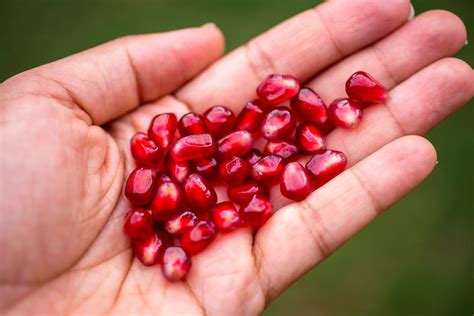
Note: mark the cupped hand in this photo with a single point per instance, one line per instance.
(65, 130)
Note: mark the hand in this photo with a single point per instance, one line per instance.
(65, 155)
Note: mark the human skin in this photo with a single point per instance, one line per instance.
(65, 130)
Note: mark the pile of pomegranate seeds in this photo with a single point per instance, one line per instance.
(176, 212)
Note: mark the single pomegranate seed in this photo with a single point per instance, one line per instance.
(162, 177)
(345, 113)
(167, 200)
(236, 143)
(226, 217)
(179, 170)
(199, 194)
(267, 168)
(308, 106)
(198, 238)
(140, 186)
(250, 118)
(150, 249)
(242, 194)
(253, 156)
(325, 166)
(294, 183)
(256, 212)
(278, 124)
(365, 89)
(181, 223)
(309, 138)
(162, 130)
(138, 223)
(277, 89)
(235, 170)
(219, 120)
(191, 124)
(144, 150)
(175, 264)
(285, 149)
(193, 147)
(207, 167)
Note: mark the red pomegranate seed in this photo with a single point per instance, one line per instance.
(309, 138)
(236, 143)
(277, 89)
(250, 118)
(140, 186)
(256, 212)
(278, 124)
(144, 150)
(181, 223)
(325, 166)
(150, 249)
(207, 167)
(162, 130)
(235, 170)
(294, 183)
(193, 147)
(253, 156)
(308, 106)
(138, 223)
(179, 170)
(175, 264)
(285, 149)
(242, 194)
(167, 200)
(345, 113)
(364, 88)
(219, 120)
(199, 194)
(198, 238)
(225, 216)
(191, 124)
(267, 168)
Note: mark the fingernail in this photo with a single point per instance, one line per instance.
(412, 12)
(209, 25)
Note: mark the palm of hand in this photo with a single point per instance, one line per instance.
(63, 206)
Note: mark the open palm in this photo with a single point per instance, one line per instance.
(65, 130)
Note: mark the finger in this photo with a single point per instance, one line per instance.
(302, 46)
(112, 79)
(302, 234)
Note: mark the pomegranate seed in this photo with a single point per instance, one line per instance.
(138, 223)
(308, 106)
(234, 171)
(242, 194)
(365, 89)
(253, 156)
(193, 147)
(162, 177)
(140, 186)
(207, 167)
(236, 143)
(181, 223)
(167, 200)
(285, 149)
(267, 168)
(198, 238)
(326, 127)
(309, 138)
(256, 212)
(162, 130)
(345, 113)
(150, 249)
(325, 166)
(199, 194)
(294, 182)
(278, 124)
(226, 217)
(175, 264)
(219, 120)
(250, 118)
(179, 170)
(191, 124)
(277, 89)
(144, 150)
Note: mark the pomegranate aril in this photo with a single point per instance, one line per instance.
(150, 249)
(191, 124)
(309, 138)
(225, 216)
(207, 167)
(179, 224)
(285, 149)
(363, 88)
(253, 156)
(278, 124)
(235, 170)
(179, 170)
(236, 143)
(140, 186)
(276, 89)
(193, 147)
(198, 238)
(167, 200)
(144, 150)
(294, 183)
(250, 118)
(325, 166)
(256, 212)
(162, 130)
(200, 195)
(175, 264)
(268, 168)
(345, 113)
(243, 193)
(219, 120)
(308, 106)
(326, 127)
(138, 223)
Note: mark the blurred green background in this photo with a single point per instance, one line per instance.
(416, 259)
